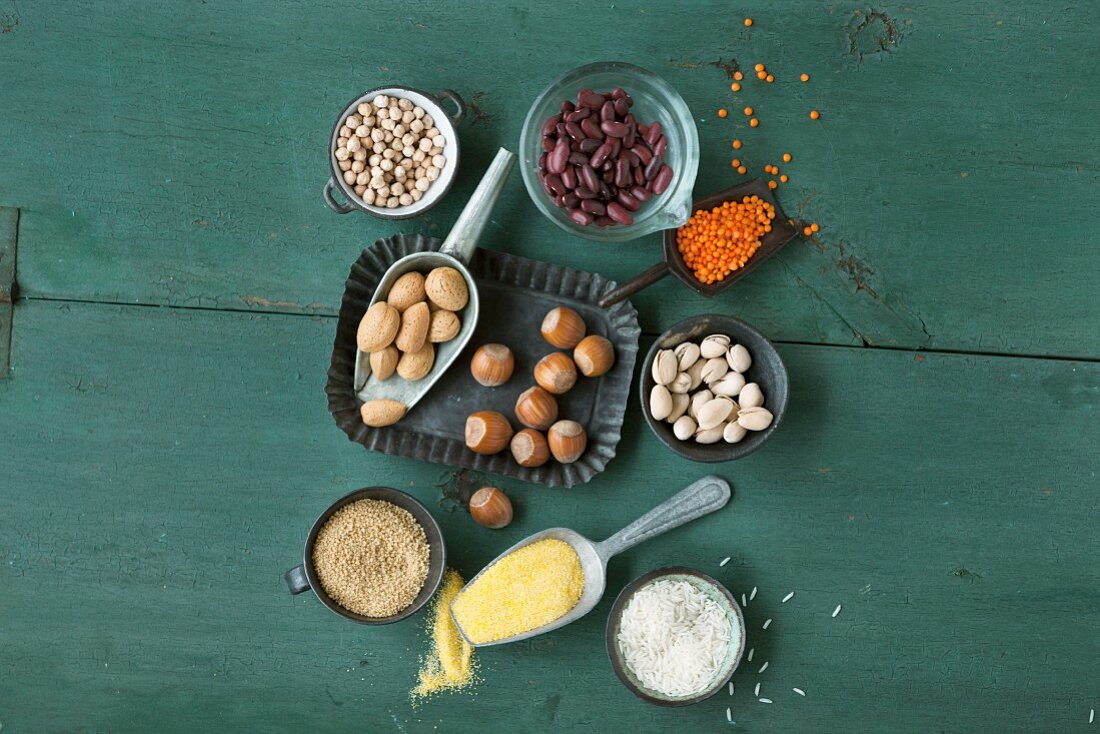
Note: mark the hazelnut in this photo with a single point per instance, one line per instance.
(529, 448)
(556, 373)
(487, 432)
(567, 441)
(536, 408)
(563, 327)
(594, 356)
(491, 508)
(492, 365)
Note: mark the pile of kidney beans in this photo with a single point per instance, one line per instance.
(598, 162)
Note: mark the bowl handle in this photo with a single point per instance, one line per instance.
(332, 203)
(460, 106)
(296, 580)
(635, 284)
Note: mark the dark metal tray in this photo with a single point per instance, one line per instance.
(515, 295)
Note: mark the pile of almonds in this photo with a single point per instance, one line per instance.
(727, 408)
(489, 432)
(400, 333)
(389, 151)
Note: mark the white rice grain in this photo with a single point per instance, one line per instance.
(763, 667)
(743, 602)
(731, 688)
(1092, 715)
(725, 561)
(769, 621)
(799, 691)
(751, 651)
(753, 594)
(729, 715)
(837, 610)
(787, 598)
(765, 700)
(756, 691)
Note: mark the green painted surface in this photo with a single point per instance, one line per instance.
(157, 490)
(168, 154)
(161, 466)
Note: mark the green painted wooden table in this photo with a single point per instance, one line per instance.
(168, 284)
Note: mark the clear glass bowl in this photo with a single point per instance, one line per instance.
(654, 99)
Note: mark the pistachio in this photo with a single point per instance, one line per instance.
(714, 370)
(730, 385)
(664, 367)
(681, 384)
(751, 396)
(684, 427)
(754, 419)
(733, 432)
(711, 435)
(714, 412)
(739, 358)
(698, 400)
(714, 345)
(660, 402)
(680, 402)
(696, 373)
(687, 354)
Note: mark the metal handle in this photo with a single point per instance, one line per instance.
(332, 203)
(462, 240)
(635, 284)
(701, 498)
(296, 580)
(460, 106)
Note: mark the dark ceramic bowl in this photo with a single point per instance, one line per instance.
(767, 370)
(304, 577)
(713, 589)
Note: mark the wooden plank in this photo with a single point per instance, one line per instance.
(156, 490)
(187, 166)
(9, 229)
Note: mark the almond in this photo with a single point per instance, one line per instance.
(446, 288)
(414, 328)
(384, 362)
(406, 291)
(378, 413)
(416, 365)
(444, 326)
(378, 327)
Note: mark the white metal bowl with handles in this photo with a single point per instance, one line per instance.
(698, 499)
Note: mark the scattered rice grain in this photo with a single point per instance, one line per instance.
(753, 594)
(751, 651)
(763, 667)
(787, 598)
(799, 691)
(729, 714)
(769, 621)
(743, 602)
(756, 691)
(725, 561)
(1092, 715)
(765, 700)
(837, 610)
(731, 688)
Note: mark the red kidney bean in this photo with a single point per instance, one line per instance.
(553, 180)
(555, 162)
(616, 146)
(608, 176)
(574, 131)
(622, 173)
(639, 176)
(641, 193)
(652, 134)
(664, 178)
(591, 128)
(576, 158)
(627, 200)
(593, 207)
(589, 145)
(569, 178)
(588, 98)
(569, 200)
(642, 153)
(653, 167)
(642, 130)
(617, 212)
(607, 111)
(618, 93)
(660, 147)
(546, 187)
(630, 138)
(548, 144)
(602, 153)
(578, 115)
(621, 107)
(629, 157)
(581, 217)
(585, 193)
(549, 126)
(589, 178)
(567, 107)
(542, 164)
(613, 129)
(605, 192)
(604, 221)
(559, 129)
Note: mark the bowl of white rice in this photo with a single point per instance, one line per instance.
(675, 636)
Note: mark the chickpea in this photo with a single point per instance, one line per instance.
(342, 153)
(416, 194)
(365, 109)
(399, 172)
(408, 150)
(425, 144)
(438, 161)
(418, 112)
(407, 117)
(404, 199)
(427, 120)
(397, 188)
(404, 104)
(358, 166)
(392, 202)
(377, 134)
(418, 156)
(368, 197)
(380, 101)
(341, 142)
(379, 148)
(354, 121)
(354, 144)
(382, 191)
(344, 165)
(359, 155)
(432, 173)
(416, 126)
(374, 160)
(387, 154)
(422, 184)
(362, 131)
(360, 190)
(386, 124)
(349, 177)
(344, 132)
(362, 179)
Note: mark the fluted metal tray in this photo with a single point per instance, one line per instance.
(515, 295)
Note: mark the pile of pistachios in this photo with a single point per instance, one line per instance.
(701, 389)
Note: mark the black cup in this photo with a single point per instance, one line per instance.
(304, 577)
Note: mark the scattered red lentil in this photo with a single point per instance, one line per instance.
(814, 114)
(742, 170)
(737, 145)
(748, 112)
(738, 75)
(814, 227)
(772, 184)
(769, 79)
(807, 231)
(735, 87)
(759, 67)
(748, 22)
(722, 112)
(784, 178)
(805, 77)
(761, 75)
(754, 122)
(715, 243)
(786, 157)
(736, 162)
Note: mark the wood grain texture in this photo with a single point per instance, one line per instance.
(175, 154)
(9, 231)
(154, 491)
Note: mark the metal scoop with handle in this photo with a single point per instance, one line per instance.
(701, 498)
(455, 252)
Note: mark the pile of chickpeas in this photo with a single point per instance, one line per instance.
(389, 151)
